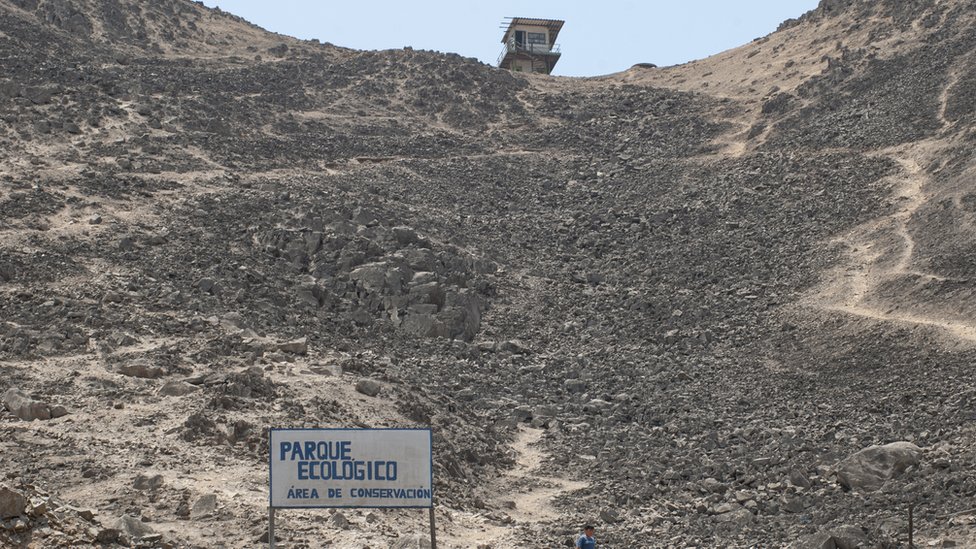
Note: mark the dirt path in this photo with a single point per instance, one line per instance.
(522, 499)
(884, 249)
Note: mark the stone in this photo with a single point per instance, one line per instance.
(134, 528)
(575, 385)
(208, 286)
(23, 406)
(723, 508)
(411, 542)
(339, 520)
(610, 516)
(9, 89)
(869, 469)
(371, 276)
(714, 486)
(141, 368)
(842, 537)
(12, 503)
(204, 507)
(177, 388)
(742, 496)
(739, 516)
(95, 220)
(86, 514)
(405, 235)
(368, 387)
(38, 507)
(797, 478)
(38, 95)
(513, 346)
(792, 504)
(296, 346)
(146, 482)
(112, 296)
(108, 535)
(420, 325)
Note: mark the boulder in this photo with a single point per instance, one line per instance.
(141, 368)
(204, 507)
(420, 325)
(869, 469)
(339, 520)
(405, 235)
(146, 482)
(368, 387)
(610, 516)
(134, 528)
(108, 535)
(371, 277)
(12, 503)
(739, 516)
(296, 346)
(23, 406)
(513, 346)
(177, 388)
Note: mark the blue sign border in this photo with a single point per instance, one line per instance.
(430, 439)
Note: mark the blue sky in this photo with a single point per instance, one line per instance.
(598, 38)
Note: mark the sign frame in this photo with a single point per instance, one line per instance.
(272, 508)
(430, 439)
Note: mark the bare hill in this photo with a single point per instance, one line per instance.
(672, 301)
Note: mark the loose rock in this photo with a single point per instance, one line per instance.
(871, 467)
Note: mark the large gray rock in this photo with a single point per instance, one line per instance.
(23, 406)
(371, 276)
(146, 482)
(12, 503)
(141, 368)
(134, 528)
(869, 469)
(204, 507)
(339, 520)
(368, 387)
(296, 346)
(177, 388)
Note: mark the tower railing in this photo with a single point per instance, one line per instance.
(511, 46)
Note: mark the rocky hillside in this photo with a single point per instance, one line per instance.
(723, 304)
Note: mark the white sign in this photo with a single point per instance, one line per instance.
(351, 468)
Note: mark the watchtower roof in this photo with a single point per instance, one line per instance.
(554, 26)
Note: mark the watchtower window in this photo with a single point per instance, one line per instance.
(520, 38)
(536, 37)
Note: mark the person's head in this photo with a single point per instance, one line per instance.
(588, 530)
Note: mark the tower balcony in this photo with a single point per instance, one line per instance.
(513, 48)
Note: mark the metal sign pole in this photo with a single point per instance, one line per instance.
(911, 526)
(271, 534)
(433, 528)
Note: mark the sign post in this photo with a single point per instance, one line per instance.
(350, 468)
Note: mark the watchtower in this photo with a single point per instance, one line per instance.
(530, 44)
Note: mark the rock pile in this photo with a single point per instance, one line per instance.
(367, 271)
(207, 230)
(26, 408)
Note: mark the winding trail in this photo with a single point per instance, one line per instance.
(884, 249)
(522, 498)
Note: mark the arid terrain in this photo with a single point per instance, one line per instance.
(730, 303)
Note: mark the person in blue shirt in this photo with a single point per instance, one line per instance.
(586, 539)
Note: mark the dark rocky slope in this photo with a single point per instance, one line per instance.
(186, 198)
